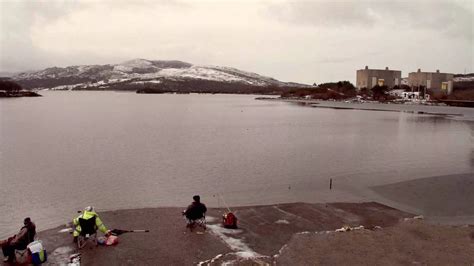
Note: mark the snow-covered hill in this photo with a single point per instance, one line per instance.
(141, 71)
(464, 77)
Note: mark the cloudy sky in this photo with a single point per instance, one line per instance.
(301, 41)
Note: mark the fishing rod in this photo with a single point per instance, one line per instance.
(223, 200)
(122, 231)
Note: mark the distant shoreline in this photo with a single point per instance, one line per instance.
(378, 106)
(19, 94)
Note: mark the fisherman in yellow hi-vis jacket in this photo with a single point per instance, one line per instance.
(88, 213)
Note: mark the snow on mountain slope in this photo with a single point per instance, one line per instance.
(464, 78)
(140, 70)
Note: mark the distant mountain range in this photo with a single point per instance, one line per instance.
(162, 76)
(152, 75)
(464, 77)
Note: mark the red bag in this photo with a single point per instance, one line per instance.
(111, 240)
(229, 220)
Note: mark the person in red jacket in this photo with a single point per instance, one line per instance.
(19, 241)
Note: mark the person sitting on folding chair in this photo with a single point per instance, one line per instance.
(91, 221)
(196, 213)
(19, 241)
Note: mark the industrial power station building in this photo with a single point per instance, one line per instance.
(434, 81)
(369, 78)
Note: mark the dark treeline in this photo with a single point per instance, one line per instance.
(324, 91)
(194, 86)
(9, 88)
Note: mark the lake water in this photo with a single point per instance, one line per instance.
(67, 150)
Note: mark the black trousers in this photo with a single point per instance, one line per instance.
(9, 249)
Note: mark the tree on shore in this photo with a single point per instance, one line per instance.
(365, 92)
(10, 87)
(325, 91)
(379, 92)
(344, 87)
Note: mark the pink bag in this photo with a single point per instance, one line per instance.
(111, 240)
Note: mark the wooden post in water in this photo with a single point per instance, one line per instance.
(330, 183)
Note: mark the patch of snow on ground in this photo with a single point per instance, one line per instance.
(152, 81)
(285, 212)
(463, 79)
(60, 255)
(247, 254)
(64, 87)
(280, 251)
(282, 222)
(210, 219)
(65, 230)
(303, 233)
(228, 231)
(82, 69)
(170, 72)
(139, 63)
(62, 251)
(123, 68)
(198, 72)
(256, 78)
(207, 262)
(128, 66)
(235, 244)
(144, 76)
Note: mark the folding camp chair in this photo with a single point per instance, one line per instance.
(88, 232)
(192, 222)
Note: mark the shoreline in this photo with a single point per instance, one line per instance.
(443, 197)
(464, 113)
(266, 235)
(407, 196)
(299, 226)
(19, 94)
(169, 242)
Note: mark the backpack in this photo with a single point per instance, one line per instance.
(229, 220)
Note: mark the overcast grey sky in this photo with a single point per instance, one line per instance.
(301, 41)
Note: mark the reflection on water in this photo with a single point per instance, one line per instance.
(432, 119)
(68, 150)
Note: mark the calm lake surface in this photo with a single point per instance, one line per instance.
(66, 150)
